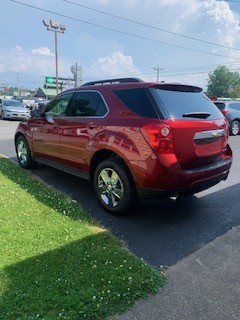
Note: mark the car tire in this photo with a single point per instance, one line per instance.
(2, 115)
(235, 128)
(24, 156)
(114, 187)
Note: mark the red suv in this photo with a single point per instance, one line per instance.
(132, 139)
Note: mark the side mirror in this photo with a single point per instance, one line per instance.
(35, 113)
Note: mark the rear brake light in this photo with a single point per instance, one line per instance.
(225, 112)
(159, 136)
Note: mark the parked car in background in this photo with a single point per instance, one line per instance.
(231, 110)
(19, 98)
(38, 102)
(131, 139)
(13, 109)
(42, 103)
(26, 101)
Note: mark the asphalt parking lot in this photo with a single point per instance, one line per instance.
(160, 232)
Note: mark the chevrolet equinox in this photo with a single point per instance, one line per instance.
(131, 139)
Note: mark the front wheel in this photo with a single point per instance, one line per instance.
(235, 128)
(24, 154)
(114, 186)
(2, 115)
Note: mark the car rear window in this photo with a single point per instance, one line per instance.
(184, 103)
(220, 105)
(138, 100)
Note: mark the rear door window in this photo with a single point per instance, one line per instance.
(138, 100)
(187, 104)
(88, 104)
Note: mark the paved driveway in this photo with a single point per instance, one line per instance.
(161, 232)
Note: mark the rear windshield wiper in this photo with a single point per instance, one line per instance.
(201, 115)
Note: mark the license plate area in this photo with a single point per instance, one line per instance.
(209, 142)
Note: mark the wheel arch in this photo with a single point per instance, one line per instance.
(102, 155)
(27, 137)
(18, 134)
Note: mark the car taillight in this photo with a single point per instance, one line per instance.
(225, 112)
(159, 136)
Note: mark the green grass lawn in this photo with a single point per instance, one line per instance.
(56, 262)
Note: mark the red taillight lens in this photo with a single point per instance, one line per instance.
(225, 112)
(159, 136)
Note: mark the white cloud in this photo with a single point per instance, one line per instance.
(212, 19)
(116, 65)
(17, 50)
(30, 66)
(43, 51)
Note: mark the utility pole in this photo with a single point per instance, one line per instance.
(54, 26)
(18, 84)
(77, 74)
(158, 71)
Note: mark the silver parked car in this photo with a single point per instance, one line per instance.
(231, 110)
(13, 109)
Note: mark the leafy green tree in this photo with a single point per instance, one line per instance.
(223, 83)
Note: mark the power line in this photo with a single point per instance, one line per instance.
(124, 32)
(150, 26)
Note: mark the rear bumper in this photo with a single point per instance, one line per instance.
(171, 180)
(11, 116)
(146, 193)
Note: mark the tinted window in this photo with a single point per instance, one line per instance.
(58, 107)
(234, 106)
(220, 105)
(178, 104)
(88, 104)
(138, 101)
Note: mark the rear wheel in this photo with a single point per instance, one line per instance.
(24, 154)
(114, 186)
(235, 128)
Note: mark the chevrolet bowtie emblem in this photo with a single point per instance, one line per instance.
(217, 133)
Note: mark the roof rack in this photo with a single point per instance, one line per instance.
(110, 81)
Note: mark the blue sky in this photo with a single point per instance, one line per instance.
(127, 38)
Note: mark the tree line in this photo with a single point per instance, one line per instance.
(223, 83)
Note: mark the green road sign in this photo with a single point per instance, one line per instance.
(50, 80)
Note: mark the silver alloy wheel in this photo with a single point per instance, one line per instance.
(2, 115)
(22, 152)
(110, 187)
(235, 128)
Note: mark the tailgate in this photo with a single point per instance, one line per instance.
(199, 143)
